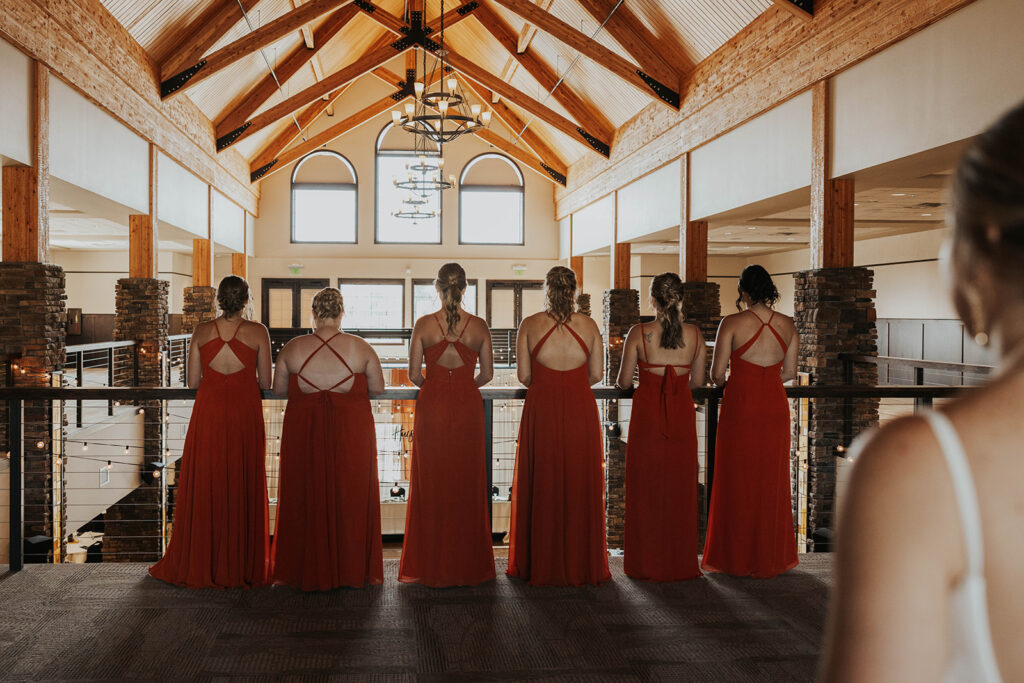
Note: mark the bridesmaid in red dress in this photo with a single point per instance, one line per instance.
(328, 509)
(750, 524)
(447, 526)
(661, 453)
(220, 536)
(557, 535)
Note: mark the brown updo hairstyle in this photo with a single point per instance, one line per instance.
(328, 304)
(667, 292)
(232, 295)
(988, 212)
(451, 284)
(757, 283)
(560, 289)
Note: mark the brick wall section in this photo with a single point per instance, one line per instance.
(32, 319)
(132, 527)
(200, 305)
(621, 311)
(835, 314)
(583, 304)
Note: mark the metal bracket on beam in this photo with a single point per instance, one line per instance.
(406, 88)
(467, 8)
(178, 81)
(367, 7)
(261, 171)
(666, 93)
(555, 175)
(228, 139)
(416, 34)
(805, 5)
(599, 147)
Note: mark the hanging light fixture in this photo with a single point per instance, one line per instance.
(454, 117)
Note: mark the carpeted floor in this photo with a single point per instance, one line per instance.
(112, 621)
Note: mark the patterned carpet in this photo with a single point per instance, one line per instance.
(110, 621)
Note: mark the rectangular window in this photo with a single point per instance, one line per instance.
(390, 228)
(425, 299)
(490, 215)
(373, 304)
(323, 212)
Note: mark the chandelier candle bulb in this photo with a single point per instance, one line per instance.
(409, 109)
(396, 117)
(418, 88)
(452, 84)
(486, 117)
(442, 107)
(476, 110)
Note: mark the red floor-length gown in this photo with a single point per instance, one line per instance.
(328, 507)
(220, 536)
(557, 535)
(750, 524)
(447, 534)
(661, 477)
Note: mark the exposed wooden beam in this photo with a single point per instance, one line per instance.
(288, 67)
(520, 154)
(528, 31)
(337, 130)
(382, 17)
(831, 200)
(801, 9)
(364, 64)
(641, 44)
(266, 35)
(267, 157)
(26, 189)
(666, 93)
(454, 16)
(202, 34)
(240, 265)
(576, 265)
(471, 70)
(620, 265)
(141, 247)
(585, 114)
(202, 263)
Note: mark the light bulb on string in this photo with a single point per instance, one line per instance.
(109, 465)
(85, 446)
(126, 450)
(39, 444)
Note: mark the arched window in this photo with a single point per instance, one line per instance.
(394, 153)
(491, 201)
(324, 206)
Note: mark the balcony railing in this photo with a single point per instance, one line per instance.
(71, 499)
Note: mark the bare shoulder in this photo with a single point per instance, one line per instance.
(584, 321)
(254, 328)
(204, 331)
(531, 322)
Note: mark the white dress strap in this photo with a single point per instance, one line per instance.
(972, 658)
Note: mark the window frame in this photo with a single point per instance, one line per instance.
(325, 186)
(377, 154)
(495, 188)
(378, 281)
(470, 282)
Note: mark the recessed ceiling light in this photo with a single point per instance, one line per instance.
(899, 194)
(790, 238)
(856, 204)
(752, 227)
(727, 232)
(926, 214)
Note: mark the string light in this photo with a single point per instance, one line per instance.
(142, 411)
(39, 444)
(156, 474)
(110, 465)
(85, 446)
(126, 450)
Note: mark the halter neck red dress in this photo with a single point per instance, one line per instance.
(221, 514)
(750, 523)
(557, 534)
(328, 508)
(661, 476)
(447, 525)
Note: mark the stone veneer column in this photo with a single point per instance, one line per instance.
(835, 314)
(621, 311)
(132, 528)
(32, 317)
(583, 303)
(200, 305)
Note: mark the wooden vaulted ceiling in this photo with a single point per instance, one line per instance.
(559, 75)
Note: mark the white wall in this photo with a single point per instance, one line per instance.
(593, 226)
(15, 103)
(942, 84)
(766, 156)
(227, 222)
(650, 203)
(183, 198)
(91, 277)
(90, 149)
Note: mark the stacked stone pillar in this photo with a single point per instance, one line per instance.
(834, 315)
(32, 318)
(133, 526)
(200, 302)
(621, 311)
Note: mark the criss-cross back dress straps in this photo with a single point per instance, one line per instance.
(764, 323)
(327, 343)
(547, 334)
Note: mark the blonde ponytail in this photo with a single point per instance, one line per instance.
(667, 292)
(450, 284)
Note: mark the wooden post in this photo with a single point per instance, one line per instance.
(143, 231)
(202, 263)
(239, 265)
(26, 189)
(693, 235)
(620, 254)
(831, 200)
(576, 264)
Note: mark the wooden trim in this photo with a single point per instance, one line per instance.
(141, 247)
(368, 62)
(266, 35)
(86, 47)
(288, 67)
(794, 9)
(641, 44)
(26, 189)
(295, 285)
(831, 242)
(202, 263)
(766, 63)
(620, 266)
(154, 218)
(471, 70)
(272, 150)
(337, 130)
(240, 265)
(585, 114)
(601, 55)
(694, 252)
(576, 265)
(202, 34)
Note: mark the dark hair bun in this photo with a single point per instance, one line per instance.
(757, 283)
(232, 294)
